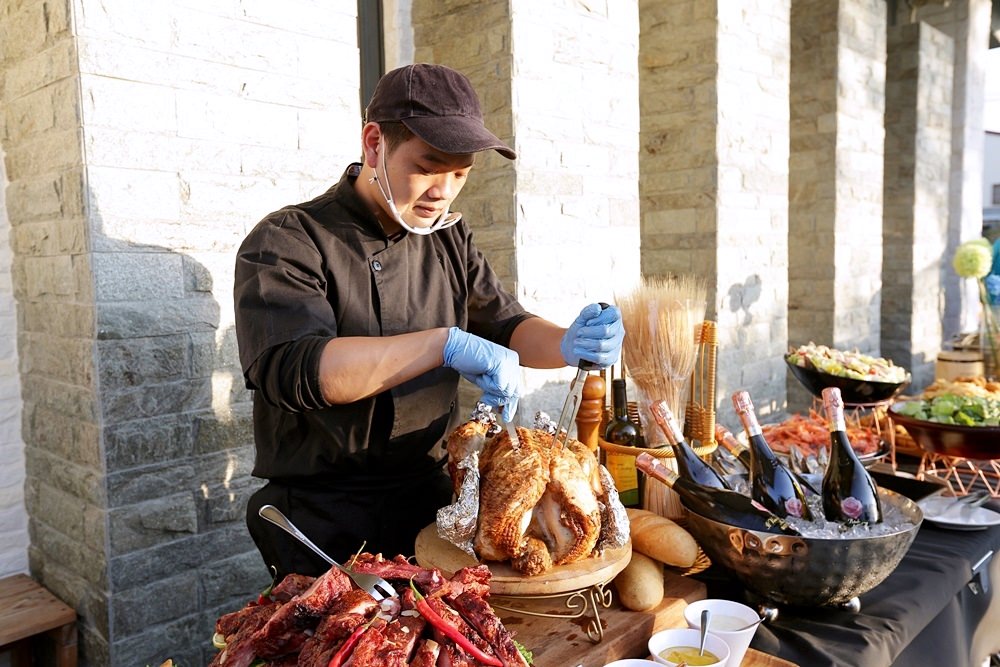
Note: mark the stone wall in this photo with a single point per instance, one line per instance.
(142, 143)
(915, 232)
(559, 225)
(13, 517)
(142, 140)
(714, 184)
(836, 175)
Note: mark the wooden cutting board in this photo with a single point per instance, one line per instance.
(432, 551)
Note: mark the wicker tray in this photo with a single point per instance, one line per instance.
(659, 452)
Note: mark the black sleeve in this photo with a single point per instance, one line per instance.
(287, 375)
(280, 291)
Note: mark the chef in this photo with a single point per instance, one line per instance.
(356, 314)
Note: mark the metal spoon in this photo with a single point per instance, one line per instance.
(769, 614)
(706, 618)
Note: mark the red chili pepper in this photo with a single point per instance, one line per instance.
(451, 631)
(341, 655)
(265, 595)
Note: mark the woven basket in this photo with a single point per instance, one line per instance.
(699, 425)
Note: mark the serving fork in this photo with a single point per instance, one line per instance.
(975, 498)
(375, 586)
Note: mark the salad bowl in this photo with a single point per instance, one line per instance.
(979, 443)
(853, 391)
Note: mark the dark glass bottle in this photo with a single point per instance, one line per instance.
(722, 505)
(621, 431)
(689, 464)
(725, 437)
(731, 443)
(771, 483)
(850, 495)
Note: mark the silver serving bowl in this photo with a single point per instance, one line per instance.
(807, 571)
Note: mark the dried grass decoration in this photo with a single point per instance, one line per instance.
(662, 318)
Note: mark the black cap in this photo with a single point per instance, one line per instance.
(439, 105)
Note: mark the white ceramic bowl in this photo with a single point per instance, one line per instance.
(633, 662)
(726, 616)
(674, 637)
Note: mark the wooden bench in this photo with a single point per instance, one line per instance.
(28, 611)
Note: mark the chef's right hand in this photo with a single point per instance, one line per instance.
(493, 368)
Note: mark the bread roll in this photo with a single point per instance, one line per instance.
(662, 539)
(640, 584)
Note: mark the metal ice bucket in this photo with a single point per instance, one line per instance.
(807, 571)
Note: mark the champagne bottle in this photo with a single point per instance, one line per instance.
(621, 431)
(722, 505)
(689, 464)
(850, 495)
(771, 483)
(725, 437)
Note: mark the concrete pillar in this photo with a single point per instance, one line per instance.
(917, 161)
(967, 22)
(560, 225)
(836, 167)
(714, 187)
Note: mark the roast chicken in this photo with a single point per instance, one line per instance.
(539, 505)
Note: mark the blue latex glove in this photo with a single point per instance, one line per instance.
(493, 368)
(596, 335)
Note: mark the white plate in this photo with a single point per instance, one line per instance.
(949, 512)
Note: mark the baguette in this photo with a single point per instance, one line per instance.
(661, 539)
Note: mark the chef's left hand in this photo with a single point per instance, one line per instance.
(596, 336)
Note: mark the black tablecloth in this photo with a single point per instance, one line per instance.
(924, 614)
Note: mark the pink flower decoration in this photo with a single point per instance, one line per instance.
(794, 507)
(852, 507)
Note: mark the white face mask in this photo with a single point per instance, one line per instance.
(444, 221)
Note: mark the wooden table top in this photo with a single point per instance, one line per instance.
(564, 642)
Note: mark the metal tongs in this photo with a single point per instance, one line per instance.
(573, 399)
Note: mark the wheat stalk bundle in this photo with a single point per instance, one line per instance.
(662, 318)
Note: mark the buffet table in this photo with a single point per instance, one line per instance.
(925, 613)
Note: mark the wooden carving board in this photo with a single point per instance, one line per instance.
(432, 551)
(560, 642)
(564, 642)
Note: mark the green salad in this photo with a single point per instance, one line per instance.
(953, 409)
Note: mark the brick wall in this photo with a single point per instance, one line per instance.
(915, 233)
(143, 141)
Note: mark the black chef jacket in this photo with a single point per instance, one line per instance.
(325, 268)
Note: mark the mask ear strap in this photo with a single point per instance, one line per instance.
(440, 223)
